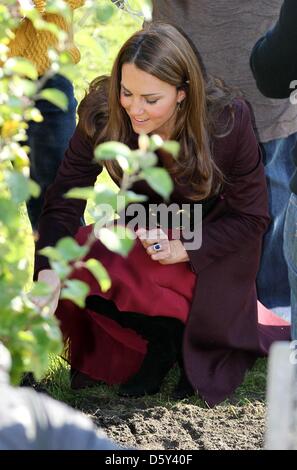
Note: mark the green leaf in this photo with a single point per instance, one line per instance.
(143, 142)
(100, 194)
(83, 39)
(34, 188)
(172, 147)
(51, 253)
(58, 7)
(99, 272)
(7, 211)
(56, 97)
(26, 336)
(33, 114)
(70, 250)
(51, 27)
(28, 87)
(148, 160)
(159, 180)
(80, 193)
(62, 268)
(130, 197)
(102, 215)
(125, 166)
(104, 13)
(111, 150)
(22, 67)
(119, 240)
(76, 291)
(19, 186)
(40, 289)
(104, 195)
(155, 142)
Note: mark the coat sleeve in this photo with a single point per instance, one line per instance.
(274, 57)
(60, 216)
(245, 216)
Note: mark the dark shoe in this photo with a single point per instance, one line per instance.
(162, 353)
(28, 380)
(183, 388)
(149, 378)
(79, 380)
(164, 336)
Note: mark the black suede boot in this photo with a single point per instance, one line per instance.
(79, 380)
(28, 380)
(164, 336)
(183, 388)
(162, 351)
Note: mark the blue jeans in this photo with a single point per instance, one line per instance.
(48, 141)
(290, 248)
(272, 280)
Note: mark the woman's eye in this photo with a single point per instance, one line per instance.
(151, 102)
(125, 93)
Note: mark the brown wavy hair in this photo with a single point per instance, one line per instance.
(163, 51)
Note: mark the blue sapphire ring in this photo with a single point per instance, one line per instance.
(157, 247)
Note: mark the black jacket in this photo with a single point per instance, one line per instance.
(274, 62)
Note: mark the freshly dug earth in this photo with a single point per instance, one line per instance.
(157, 422)
(183, 426)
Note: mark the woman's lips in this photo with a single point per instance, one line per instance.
(140, 121)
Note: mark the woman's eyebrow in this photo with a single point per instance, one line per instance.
(147, 94)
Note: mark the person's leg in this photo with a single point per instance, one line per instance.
(48, 141)
(290, 248)
(164, 336)
(79, 380)
(183, 388)
(28, 380)
(272, 279)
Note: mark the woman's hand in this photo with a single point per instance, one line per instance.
(171, 251)
(51, 278)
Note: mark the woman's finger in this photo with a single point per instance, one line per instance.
(151, 237)
(158, 247)
(161, 256)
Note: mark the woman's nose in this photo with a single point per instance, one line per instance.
(136, 108)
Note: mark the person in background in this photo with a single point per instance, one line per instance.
(48, 139)
(224, 32)
(33, 421)
(274, 65)
(168, 301)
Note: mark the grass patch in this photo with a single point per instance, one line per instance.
(254, 385)
(57, 383)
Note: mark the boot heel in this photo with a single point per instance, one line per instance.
(183, 388)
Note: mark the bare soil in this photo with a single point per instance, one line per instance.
(157, 422)
(183, 426)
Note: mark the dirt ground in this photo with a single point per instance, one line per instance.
(158, 422)
(183, 426)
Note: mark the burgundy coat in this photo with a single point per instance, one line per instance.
(223, 324)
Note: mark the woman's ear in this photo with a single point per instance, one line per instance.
(181, 94)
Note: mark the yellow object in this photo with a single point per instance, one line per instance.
(33, 44)
(9, 128)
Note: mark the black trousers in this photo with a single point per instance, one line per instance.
(156, 328)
